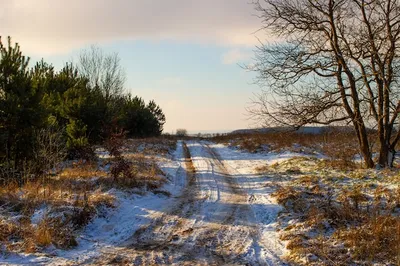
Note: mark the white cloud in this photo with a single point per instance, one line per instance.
(234, 56)
(58, 26)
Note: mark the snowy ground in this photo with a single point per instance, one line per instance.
(220, 212)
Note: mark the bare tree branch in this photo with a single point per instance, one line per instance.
(339, 61)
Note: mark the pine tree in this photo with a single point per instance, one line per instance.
(158, 117)
(20, 111)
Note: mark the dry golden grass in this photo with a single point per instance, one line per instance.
(98, 198)
(339, 146)
(376, 239)
(72, 198)
(151, 146)
(17, 235)
(55, 231)
(55, 193)
(337, 216)
(43, 237)
(308, 180)
(7, 229)
(57, 227)
(339, 213)
(293, 166)
(136, 171)
(369, 226)
(82, 171)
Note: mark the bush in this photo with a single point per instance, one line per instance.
(181, 132)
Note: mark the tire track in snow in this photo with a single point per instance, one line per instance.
(171, 237)
(245, 215)
(212, 222)
(267, 247)
(238, 233)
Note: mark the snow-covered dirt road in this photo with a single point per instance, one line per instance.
(220, 212)
(223, 216)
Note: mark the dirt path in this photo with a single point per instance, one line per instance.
(211, 223)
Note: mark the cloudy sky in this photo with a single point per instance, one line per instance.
(184, 54)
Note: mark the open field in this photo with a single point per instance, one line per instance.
(264, 199)
(335, 211)
(116, 141)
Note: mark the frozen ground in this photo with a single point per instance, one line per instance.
(220, 212)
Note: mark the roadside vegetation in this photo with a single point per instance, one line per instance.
(63, 147)
(336, 211)
(334, 64)
(51, 211)
(339, 144)
(72, 109)
(72, 139)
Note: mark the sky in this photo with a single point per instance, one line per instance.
(184, 54)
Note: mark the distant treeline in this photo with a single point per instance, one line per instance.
(70, 110)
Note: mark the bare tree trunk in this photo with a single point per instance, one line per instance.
(369, 163)
(391, 157)
(364, 144)
(386, 155)
(383, 155)
(355, 42)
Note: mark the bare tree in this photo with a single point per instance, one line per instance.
(336, 60)
(103, 71)
(50, 150)
(48, 153)
(181, 132)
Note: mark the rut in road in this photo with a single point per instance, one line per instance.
(166, 239)
(211, 223)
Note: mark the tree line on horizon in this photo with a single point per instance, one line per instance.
(68, 110)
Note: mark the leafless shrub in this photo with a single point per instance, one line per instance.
(121, 169)
(55, 231)
(50, 149)
(135, 170)
(115, 143)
